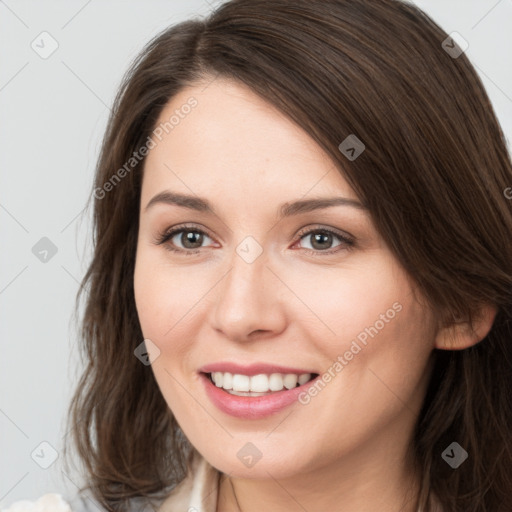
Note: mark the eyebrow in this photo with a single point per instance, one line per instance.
(286, 210)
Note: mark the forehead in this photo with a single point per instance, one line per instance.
(233, 139)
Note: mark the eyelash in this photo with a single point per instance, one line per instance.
(167, 235)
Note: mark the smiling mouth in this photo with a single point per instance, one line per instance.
(258, 385)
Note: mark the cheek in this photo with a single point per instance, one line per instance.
(352, 302)
(384, 358)
(161, 301)
(370, 304)
(168, 298)
(369, 326)
(162, 293)
(148, 293)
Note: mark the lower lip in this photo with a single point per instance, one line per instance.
(252, 407)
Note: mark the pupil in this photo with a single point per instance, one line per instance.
(192, 237)
(318, 238)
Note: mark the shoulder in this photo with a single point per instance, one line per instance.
(84, 502)
(196, 492)
(54, 502)
(51, 502)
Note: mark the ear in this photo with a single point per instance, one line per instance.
(460, 335)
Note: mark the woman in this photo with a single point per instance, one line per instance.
(301, 290)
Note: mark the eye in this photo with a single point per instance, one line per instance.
(190, 237)
(321, 238)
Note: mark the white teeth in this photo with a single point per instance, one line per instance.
(275, 382)
(217, 378)
(227, 381)
(290, 381)
(261, 383)
(304, 378)
(241, 382)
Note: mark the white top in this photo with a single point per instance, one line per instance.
(54, 502)
(197, 492)
(46, 503)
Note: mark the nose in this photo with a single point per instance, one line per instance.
(250, 301)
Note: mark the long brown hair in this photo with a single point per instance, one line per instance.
(433, 174)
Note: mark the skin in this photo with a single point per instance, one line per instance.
(346, 449)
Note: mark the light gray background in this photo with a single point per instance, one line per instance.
(53, 114)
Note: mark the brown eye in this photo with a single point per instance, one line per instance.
(190, 239)
(183, 239)
(321, 241)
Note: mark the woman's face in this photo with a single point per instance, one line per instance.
(248, 285)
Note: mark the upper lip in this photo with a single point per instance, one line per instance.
(251, 369)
